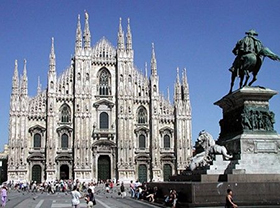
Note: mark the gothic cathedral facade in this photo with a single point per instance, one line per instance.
(100, 119)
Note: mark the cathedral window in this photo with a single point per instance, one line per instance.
(37, 141)
(166, 141)
(64, 141)
(142, 142)
(65, 114)
(155, 88)
(104, 120)
(139, 90)
(142, 115)
(104, 82)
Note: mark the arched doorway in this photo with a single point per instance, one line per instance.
(167, 172)
(142, 173)
(64, 172)
(37, 173)
(104, 167)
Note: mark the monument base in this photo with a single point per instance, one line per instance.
(191, 194)
(247, 132)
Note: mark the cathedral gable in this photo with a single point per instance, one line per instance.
(37, 106)
(103, 102)
(104, 53)
(37, 128)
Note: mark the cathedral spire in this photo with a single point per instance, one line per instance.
(153, 61)
(185, 85)
(87, 36)
(146, 69)
(15, 85)
(184, 78)
(168, 95)
(128, 36)
(178, 77)
(52, 63)
(78, 44)
(38, 86)
(120, 36)
(24, 80)
(177, 87)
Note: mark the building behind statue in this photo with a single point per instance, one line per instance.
(100, 119)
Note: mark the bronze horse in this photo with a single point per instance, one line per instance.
(251, 63)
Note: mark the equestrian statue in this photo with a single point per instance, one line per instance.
(250, 54)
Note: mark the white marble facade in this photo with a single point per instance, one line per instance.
(101, 118)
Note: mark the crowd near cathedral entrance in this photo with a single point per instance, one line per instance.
(102, 118)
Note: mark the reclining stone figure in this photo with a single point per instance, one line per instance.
(206, 148)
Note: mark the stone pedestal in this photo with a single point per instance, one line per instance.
(219, 166)
(247, 131)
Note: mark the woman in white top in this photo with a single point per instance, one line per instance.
(76, 196)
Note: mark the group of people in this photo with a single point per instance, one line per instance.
(78, 190)
(82, 190)
(143, 191)
(76, 196)
(171, 198)
(34, 186)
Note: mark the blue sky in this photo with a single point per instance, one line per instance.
(198, 35)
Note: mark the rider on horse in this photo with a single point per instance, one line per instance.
(249, 44)
(250, 54)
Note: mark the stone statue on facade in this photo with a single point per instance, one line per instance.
(206, 148)
(250, 54)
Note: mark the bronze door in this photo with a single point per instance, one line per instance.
(167, 172)
(37, 173)
(104, 168)
(64, 172)
(142, 173)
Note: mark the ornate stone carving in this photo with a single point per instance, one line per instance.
(79, 87)
(248, 146)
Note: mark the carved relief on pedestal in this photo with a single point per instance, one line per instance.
(248, 146)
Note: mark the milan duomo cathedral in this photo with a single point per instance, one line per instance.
(100, 119)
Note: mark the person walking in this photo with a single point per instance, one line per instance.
(90, 199)
(4, 196)
(76, 196)
(229, 200)
(132, 189)
(123, 193)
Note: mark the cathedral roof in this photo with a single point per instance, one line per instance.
(104, 52)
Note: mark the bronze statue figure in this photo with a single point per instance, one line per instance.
(250, 54)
